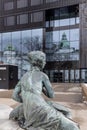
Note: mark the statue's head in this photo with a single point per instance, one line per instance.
(37, 58)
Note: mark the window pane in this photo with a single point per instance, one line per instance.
(77, 75)
(26, 48)
(72, 75)
(56, 23)
(77, 20)
(64, 34)
(22, 3)
(66, 75)
(26, 41)
(64, 22)
(37, 17)
(6, 40)
(7, 48)
(9, 21)
(72, 21)
(37, 39)
(22, 19)
(16, 41)
(8, 5)
(47, 24)
(74, 48)
(74, 34)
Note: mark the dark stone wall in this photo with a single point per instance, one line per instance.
(83, 35)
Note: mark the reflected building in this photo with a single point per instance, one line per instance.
(57, 27)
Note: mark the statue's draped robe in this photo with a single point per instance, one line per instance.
(37, 112)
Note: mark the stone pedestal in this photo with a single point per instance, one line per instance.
(5, 123)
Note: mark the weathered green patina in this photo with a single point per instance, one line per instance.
(34, 112)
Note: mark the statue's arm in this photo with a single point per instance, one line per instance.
(17, 93)
(48, 87)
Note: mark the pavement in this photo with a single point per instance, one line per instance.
(66, 94)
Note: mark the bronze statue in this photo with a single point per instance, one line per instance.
(34, 112)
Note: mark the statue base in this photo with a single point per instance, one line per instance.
(5, 123)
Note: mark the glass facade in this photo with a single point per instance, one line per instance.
(14, 47)
(62, 43)
(55, 30)
(64, 16)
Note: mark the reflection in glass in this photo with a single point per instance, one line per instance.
(56, 23)
(72, 21)
(37, 39)
(8, 51)
(66, 75)
(6, 40)
(66, 15)
(47, 24)
(72, 75)
(77, 75)
(59, 46)
(74, 34)
(16, 41)
(26, 41)
(66, 32)
(15, 45)
(64, 22)
(77, 20)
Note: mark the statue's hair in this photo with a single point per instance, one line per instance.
(37, 58)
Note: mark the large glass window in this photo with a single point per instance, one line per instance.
(62, 41)
(26, 41)
(63, 45)
(22, 3)
(14, 47)
(6, 47)
(64, 16)
(37, 39)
